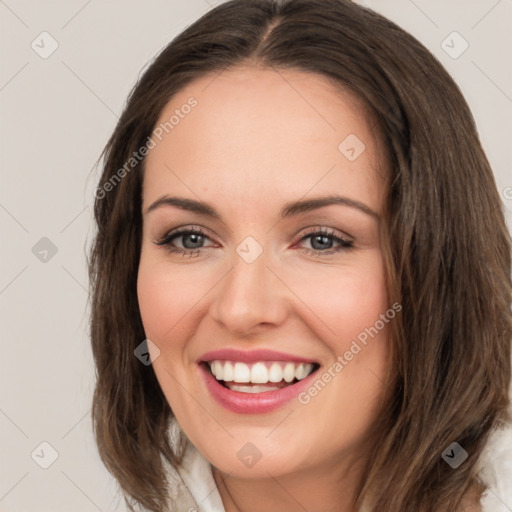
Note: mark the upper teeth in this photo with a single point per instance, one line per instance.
(260, 372)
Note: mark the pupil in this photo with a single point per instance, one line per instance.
(324, 240)
(192, 236)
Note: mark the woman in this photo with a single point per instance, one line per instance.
(301, 274)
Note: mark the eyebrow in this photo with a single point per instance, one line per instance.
(290, 209)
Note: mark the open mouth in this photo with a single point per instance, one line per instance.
(260, 376)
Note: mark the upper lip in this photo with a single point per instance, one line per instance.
(251, 356)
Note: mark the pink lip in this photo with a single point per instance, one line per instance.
(252, 403)
(252, 356)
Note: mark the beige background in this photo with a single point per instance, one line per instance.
(56, 115)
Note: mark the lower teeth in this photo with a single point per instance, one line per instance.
(253, 388)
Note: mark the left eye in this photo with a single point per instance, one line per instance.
(321, 241)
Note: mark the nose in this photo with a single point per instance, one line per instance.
(251, 297)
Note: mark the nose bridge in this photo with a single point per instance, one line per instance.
(250, 294)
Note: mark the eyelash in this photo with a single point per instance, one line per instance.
(344, 245)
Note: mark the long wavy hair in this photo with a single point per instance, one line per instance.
(446, 248)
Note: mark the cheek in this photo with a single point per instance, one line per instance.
(346, 299)
(167, 299)
(363, 300)
(167, 304)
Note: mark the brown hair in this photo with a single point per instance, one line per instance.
(446, 247)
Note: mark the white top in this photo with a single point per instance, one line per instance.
(496, 472)
(195, 473)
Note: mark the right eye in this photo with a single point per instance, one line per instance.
(191, 240)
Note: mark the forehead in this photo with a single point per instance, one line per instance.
(258, 133)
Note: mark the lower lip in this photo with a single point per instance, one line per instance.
(252, 403)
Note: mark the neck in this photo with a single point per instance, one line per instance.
(329, 488)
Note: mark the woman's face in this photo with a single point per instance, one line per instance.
(267, 288)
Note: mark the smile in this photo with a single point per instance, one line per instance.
(242, 377)
(257, 381)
